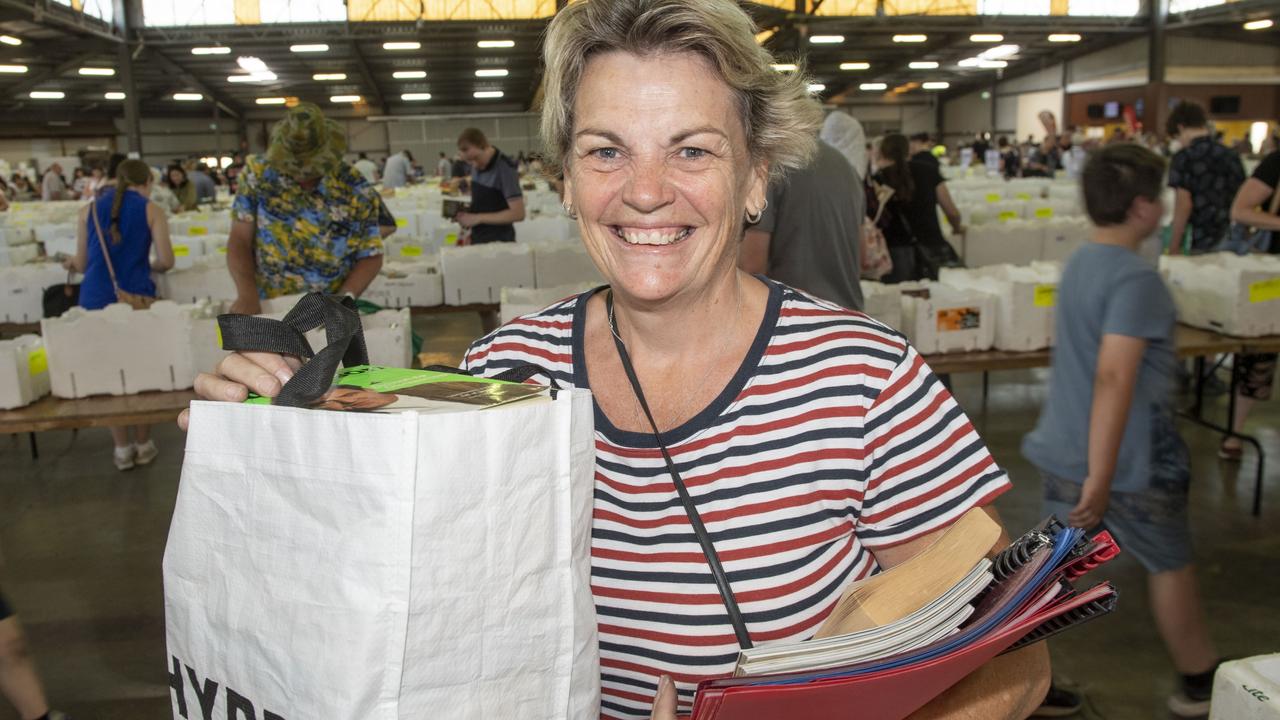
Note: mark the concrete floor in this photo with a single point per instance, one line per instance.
(82, 545)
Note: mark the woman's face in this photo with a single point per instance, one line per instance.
(175, 177)
(659, 173)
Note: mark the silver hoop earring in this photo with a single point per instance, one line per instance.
(753, 220)
(568, 210)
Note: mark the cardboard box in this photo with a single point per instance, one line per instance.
(120, 351)
(556, 264)
(939, 319)
(477, 274)
(1226, 293)
(1247, 689)
(24, 371)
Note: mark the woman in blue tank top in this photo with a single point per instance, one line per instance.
(129, 225)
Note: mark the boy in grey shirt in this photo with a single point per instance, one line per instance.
(1106, 445)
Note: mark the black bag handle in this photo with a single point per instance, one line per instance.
(344, 336)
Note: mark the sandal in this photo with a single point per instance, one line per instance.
(1230, 453)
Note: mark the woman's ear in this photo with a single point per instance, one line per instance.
(758, 189)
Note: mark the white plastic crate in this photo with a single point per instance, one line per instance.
(1025, 300)
(1247, 689)
(22, 290)
(120, 351)
(556, 264)
(1226, 293)
(400, 284)
(477, 274)
(1015, 243)
(940, 319)
(526, 301)
(206, 278)
(24, 371)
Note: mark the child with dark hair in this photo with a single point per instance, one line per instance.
(1106, 445)
(1205, 175)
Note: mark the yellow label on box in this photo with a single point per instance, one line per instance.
(411, 250)
(1044, 213)
(197, 230)
(402, 222)
(993, 197)
(222, 249)
(1024, 196)
(1008, 215)
(181, 251)
(37, 361)
(451, 239)
(1264, 290)
(1046, 295)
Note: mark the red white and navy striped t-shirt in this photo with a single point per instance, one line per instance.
(833, 439)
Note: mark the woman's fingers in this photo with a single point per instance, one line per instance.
(664, 704)
(215, 387)
(263, 373)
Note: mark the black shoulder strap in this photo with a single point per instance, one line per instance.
(343, 334)
(690, 509)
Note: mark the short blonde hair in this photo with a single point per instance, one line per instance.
(780, 119)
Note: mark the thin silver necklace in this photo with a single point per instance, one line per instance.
(637, 411)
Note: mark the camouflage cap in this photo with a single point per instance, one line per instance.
(306, 144)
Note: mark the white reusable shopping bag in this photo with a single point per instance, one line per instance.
(334, 565)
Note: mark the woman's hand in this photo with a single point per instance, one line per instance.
(664, 703)
(246, 305)
(240, 373)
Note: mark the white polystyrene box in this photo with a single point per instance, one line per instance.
(387, 336)
(1015, 242)
(120, 351)
(556, 264)
(526, 301)
(1025, 300)
(545, 229)
(987, 213)
(18, 254)
(1226, 293)
(1247, 689)
(477, 274)
(17, 235)
(207, 278)
(412, 248)
(883, 302)
(939, 319)
(1062, 237)
(402, 284)
(24, 371)
(186, 250)
(22, 290)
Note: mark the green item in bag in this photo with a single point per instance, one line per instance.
(373, 388)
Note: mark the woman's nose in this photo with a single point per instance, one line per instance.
(647, 187)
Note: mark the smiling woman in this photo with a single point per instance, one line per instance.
(758, 449)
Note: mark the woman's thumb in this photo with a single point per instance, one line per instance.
(664, 703)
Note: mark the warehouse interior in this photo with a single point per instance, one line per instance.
(203, 83)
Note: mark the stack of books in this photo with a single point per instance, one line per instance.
(898, 639)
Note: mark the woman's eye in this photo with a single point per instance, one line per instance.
(607, 153)
(692, 153)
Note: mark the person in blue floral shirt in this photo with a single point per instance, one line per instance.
(302, 220)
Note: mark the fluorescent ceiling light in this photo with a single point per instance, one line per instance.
(923, 65)
(785, 67)
(270, 101)
(317, 47)
(486, 94)
(873, 86)
(1251, 25)
(329, 76)
(910, 38)
(412, 97)
(986, 37)
(47, 94)
(993, 64)
(97, 71)
(267, 76)
(936, 85)
(409, 74)
(219, 50)
(13, 69)
(816, 87)
(345, 99)
(188, 97)
(496, 43)
(1064, 37)
(412, 45)
(999, 52)
(248, 63)
(826, 39)
(855, 66)
(114, 96)
(10, 40)
(492, 72)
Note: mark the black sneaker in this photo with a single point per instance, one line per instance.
(1059, 702)
(1194, 693)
